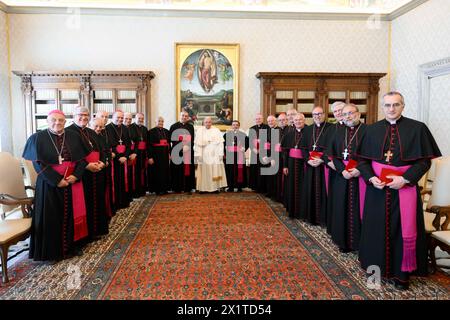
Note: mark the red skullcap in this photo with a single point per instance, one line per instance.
(57, 112)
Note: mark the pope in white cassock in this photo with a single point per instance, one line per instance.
(208, 152)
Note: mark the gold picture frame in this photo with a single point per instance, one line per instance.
(207, 82)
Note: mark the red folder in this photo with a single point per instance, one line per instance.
(69, 171)
(315, 154)
(388, 172)
(352, 164)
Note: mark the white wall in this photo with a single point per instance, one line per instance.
(5, 111)
(421, 36)
(51, 42)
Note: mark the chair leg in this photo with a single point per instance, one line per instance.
(4, 257)
(433, 246)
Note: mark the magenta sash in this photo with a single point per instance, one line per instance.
(408, 213)
(295, 153)
(162, 143)
(94, 156)
(362, 192)
(142, 145)
(120, 148)
(327, 177)
(278, 147)
(132, 146)
(80, 229)
(267, 146)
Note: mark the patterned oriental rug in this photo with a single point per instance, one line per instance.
(225, 246)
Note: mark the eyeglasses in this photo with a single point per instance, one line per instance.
(394, 105)
(347, 114)
(317, 114)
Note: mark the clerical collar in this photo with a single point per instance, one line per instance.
(56, 134)
(82, 128)
(394, 121)
(319, 125)
(298, 129)
(341, 122)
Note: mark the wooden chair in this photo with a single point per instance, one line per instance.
(439, 204)
(15, 208)
(30, 176)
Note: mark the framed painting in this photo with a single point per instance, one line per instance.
(207, 82)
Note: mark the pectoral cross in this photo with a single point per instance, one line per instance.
(60, 159)
(345, 153)
(120, 141)
(388, 155)
(314, 147)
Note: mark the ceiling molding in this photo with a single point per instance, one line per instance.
(405, 9)
(199, 13)
(215, 13)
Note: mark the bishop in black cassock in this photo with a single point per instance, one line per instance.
(347, 187)
(397, 153)
(258, 139)
(235, 145)
(93, 177)
(120, 142)
(138, 134)
(59, 212)
(159, 158)
(316, 174)
(182, 138)
(294, 167)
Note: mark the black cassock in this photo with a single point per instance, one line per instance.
(294, 160)
(279, 179)
(107, 150)
(235, 166)
(258, 136)
(275, 156)
(94, 183)
(316, 177)
(159, 151)
(53, 233)
(345, 226)
(183, 174)
(120, 142)
(331, 132)
(406, 143)
(138, 135)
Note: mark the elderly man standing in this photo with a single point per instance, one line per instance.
(397, 152)
(258, 143)
(294, 168)
(182, 155)
(348, 187)
(120, 142)
(93, 182)
(59, 212)
(159, 158)
(138, 133)
(208, 153)
(337, 108)
(236, 143)
(316, 175)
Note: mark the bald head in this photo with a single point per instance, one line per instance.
(282, 120)
(258, 119)
(102, 115)
(271, 121)
(117, 118)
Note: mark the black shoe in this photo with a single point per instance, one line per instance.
(217, 191)
(239, 190)
(230, 190)
(401, 285)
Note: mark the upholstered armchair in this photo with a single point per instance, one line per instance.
(15, 208)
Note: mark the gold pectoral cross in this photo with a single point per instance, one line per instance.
(388, 155)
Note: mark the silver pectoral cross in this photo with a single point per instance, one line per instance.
(314, 147)
(120, 141)
(60, 159)
(388, 155)
(345, 153)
